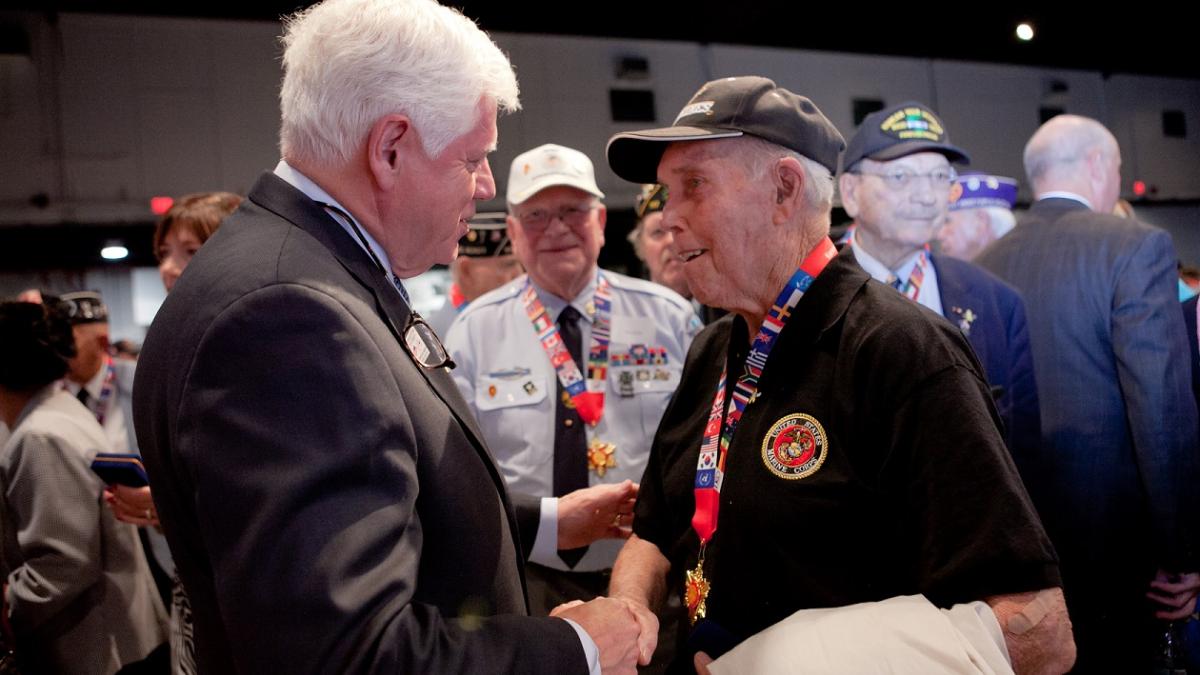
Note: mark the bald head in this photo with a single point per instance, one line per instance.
(1075, 154)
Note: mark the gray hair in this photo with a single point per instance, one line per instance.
(1000, 220)
(1062, 141)
(348, 63)
(759, 155)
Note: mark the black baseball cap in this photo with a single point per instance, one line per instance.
(81, 307)
(899, 131)
(728, 108)
(486, 237)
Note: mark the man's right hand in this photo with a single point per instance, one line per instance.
(602, 511)
(614, 629)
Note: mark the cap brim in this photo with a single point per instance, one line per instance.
(954, 154)
(634, 155)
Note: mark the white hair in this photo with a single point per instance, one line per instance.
(1000, 220)
(348, 63)
(759, 155)
(1062, 141)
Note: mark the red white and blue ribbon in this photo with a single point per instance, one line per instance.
(718, 433)
(587, 395)
(912, 287)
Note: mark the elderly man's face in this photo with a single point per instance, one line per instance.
(431, 209)
(557, 235)
(480, 275)
(655, 241)
(720, 217)
(899, 217)
(965, 233)
(91, 348)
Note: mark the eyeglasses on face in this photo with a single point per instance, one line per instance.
(900, 178)
(540, 219)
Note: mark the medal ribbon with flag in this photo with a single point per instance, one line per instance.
(587, 395)
(912, 287)
(710, 468)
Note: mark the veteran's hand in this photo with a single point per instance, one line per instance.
(1176, 592)
(599, 512)
(612, 626)
(701, 661)
(131, 505)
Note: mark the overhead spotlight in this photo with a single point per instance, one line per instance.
(1025, 32)
(114, 250)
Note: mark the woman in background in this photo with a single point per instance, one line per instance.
(181, 232)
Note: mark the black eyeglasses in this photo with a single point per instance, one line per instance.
(424, 344)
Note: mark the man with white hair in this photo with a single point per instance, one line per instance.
(1119, 457)
(569, 367)
(329, 499)
(830, 443)
(980, 213)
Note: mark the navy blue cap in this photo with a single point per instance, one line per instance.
(898, 131)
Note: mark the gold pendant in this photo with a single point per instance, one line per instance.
(695, 590)
(601, 457)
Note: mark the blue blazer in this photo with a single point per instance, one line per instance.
(992, 316)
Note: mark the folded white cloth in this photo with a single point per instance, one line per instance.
(905, 635)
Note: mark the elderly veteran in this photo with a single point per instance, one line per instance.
(980, 213)
(896, 184)
(569, 368)
(485, 261)
(830, 443)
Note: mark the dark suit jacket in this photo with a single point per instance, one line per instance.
(1118, 418)
(992, 315)
(330, 504)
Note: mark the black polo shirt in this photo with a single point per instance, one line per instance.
(910, 490)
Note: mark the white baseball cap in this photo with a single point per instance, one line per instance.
(547, 166)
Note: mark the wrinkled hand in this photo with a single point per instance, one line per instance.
(598, 512)
(612, 626)
(647, 627)
(131, 505)
(1176, 592)
(701, 661)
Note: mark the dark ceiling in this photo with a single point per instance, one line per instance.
(1140, 38)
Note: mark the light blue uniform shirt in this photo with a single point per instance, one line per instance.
(508, 381)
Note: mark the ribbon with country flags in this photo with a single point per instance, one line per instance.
(710, 468)
(587, 395)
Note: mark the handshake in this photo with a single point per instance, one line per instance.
(625, 631)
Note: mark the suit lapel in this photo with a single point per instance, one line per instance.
(951, 288)
(276, 195)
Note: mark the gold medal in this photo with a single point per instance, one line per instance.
(601, 456)
(695, 590)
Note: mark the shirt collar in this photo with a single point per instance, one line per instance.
(583, 303)
(316, 193)
(1063, 194)
(878, 271)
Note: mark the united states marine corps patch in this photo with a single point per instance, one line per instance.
(795, 447)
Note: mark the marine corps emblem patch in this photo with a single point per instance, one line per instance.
(795, 447)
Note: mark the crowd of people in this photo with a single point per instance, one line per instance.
(954, 438)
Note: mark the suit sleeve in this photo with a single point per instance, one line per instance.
(1026, 433)
(298, 433)
(1152, 368)
(56, 508)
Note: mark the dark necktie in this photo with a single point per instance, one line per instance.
(897, 284)
(570, 437)
(84, 397)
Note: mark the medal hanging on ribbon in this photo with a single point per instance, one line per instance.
(587, 395)
(722, 422)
